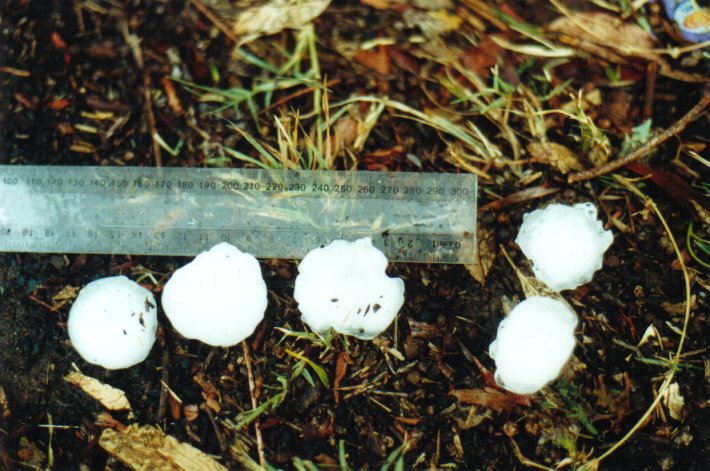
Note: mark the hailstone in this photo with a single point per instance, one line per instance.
(343, 286)
(533, 344)
(565, 244)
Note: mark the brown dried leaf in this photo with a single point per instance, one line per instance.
(377, 60)
(678, 309)
(519, 197)
(480, 59)
(605, 30)
(341, 367)
(556, 155)
(110, 397)
(488, 397)
(147, 448)
(673, 400)
(276, 16)
(485, 254)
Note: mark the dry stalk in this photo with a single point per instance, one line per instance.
(254, 405)
(651, 144)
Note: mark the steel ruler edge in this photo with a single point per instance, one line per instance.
(410, 216)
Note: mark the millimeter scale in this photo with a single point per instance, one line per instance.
(270, 213)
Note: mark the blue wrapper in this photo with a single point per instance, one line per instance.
(693, 20)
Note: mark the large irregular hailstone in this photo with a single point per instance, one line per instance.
(112, 322)
(343, 286)
(533, 344)
(565, 244)
(219, 298)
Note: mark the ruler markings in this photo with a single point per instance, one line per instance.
(412, 217)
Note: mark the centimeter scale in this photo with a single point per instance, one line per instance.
(411, 217)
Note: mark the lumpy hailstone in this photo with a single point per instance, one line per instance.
(533, 344)
(219, 298)
(566, 244)
(343, 286)
(112, 322)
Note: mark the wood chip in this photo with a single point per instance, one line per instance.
(145, 447)
(109, 397)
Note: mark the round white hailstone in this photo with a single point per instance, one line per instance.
(566, 244)
(343, 286)
(112, 322)
(533, 344)
(219, 298)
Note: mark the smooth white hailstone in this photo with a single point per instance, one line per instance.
(344, 286)
(533, 344)
(112, 322)
(566, 244)
(219, 298)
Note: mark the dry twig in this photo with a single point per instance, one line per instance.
(134, 44)
(221, 25)
(164, 378)
(652, 143)
(254, 404)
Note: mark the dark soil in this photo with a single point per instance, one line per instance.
(62, 60)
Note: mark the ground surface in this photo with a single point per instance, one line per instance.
(76, 79)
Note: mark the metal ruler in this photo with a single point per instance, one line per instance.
(411, 217)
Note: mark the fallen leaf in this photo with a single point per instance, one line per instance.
(341, 366)
(66, 294)
(556, 155)
(519, 197)
(376, 60)
(488, 397)
(678, 309)
(605, 30)
(276, 16)
(144, 447)
(485, 254)
(480, 59)
(403, 60)
(110, 397)
(672, 183)
(648, 334)
(673, 401)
